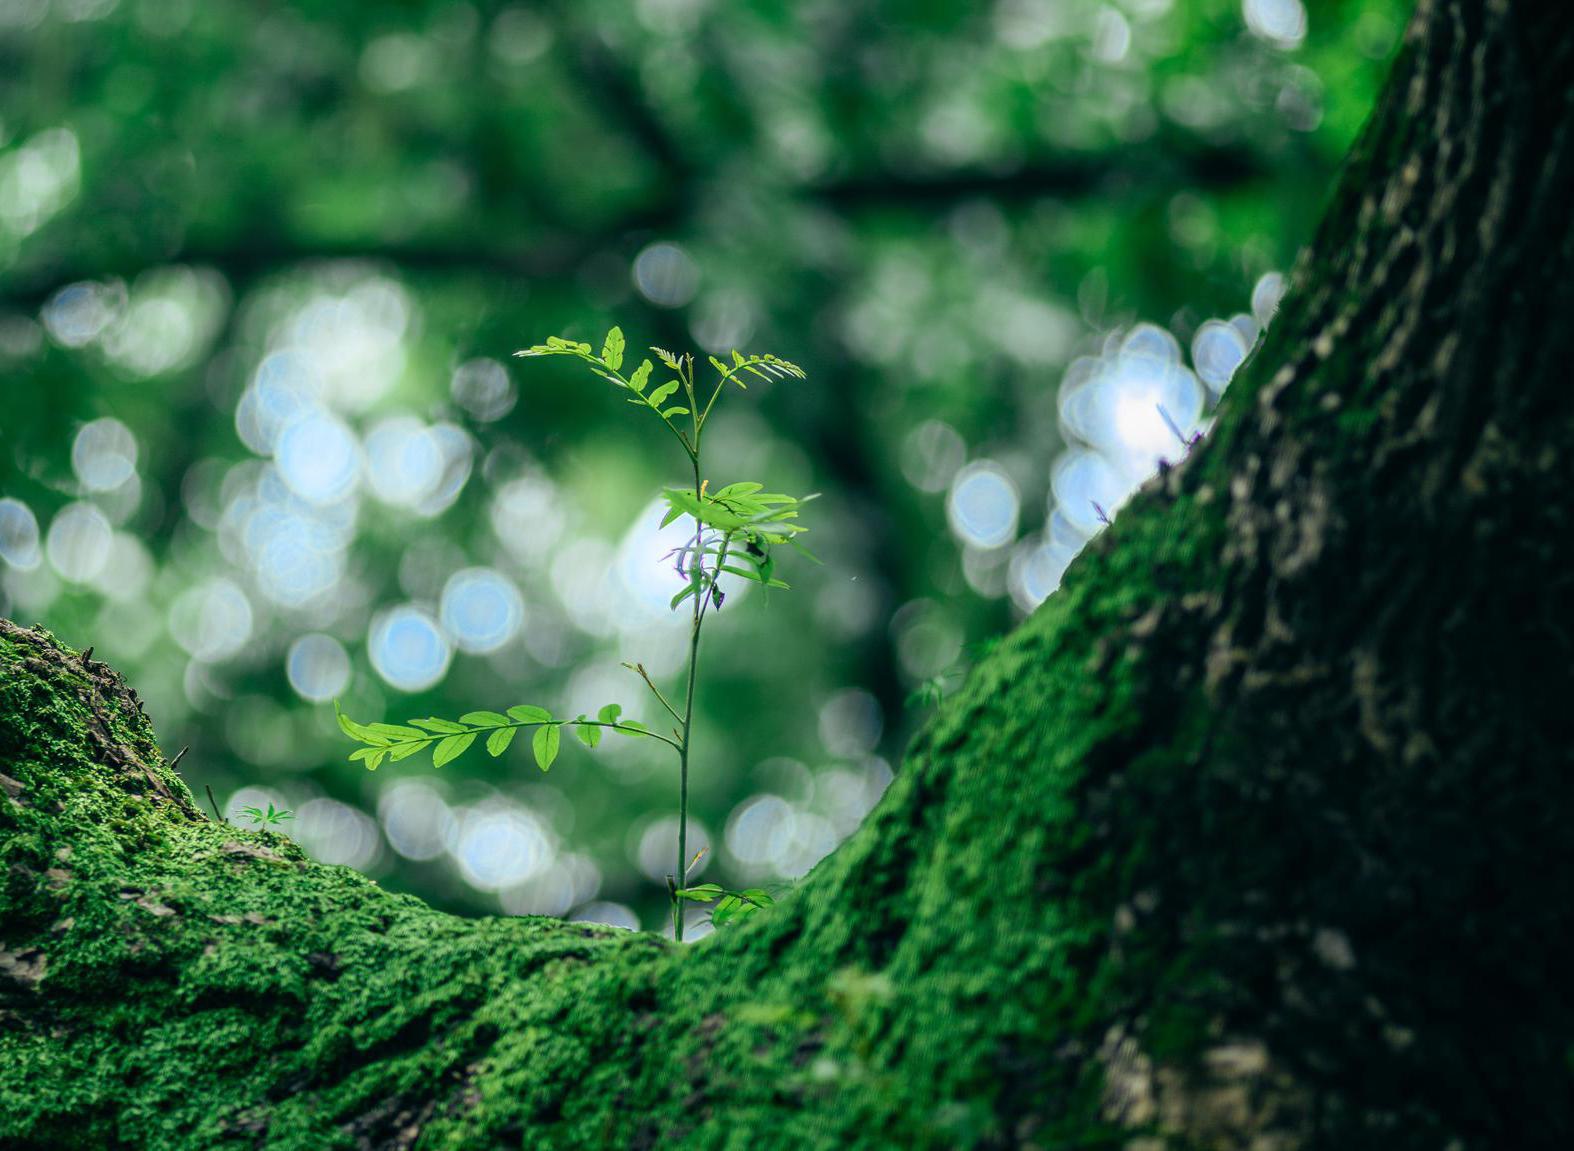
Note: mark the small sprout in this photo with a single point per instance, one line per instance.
(930, 692)
(272, 817)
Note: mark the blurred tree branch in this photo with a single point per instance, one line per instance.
(249, 256)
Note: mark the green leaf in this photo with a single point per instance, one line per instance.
(674, 413)
(805, 552)
(396, 731)
(632, 728)
(641, 376)
(708, 512)
(588, 734)
(441, 726)
(346, 724)
(452, 748)
(610, 713)
(406, 750)
(737, 358)
(355, 730)
(612, 350)
(483, 719)
(704, 893)
(738, 904)
(683, 595)
(660, 395)
(545, 745)
(525, 713)
(497, 743)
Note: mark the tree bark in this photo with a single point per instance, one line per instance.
(1255, 835)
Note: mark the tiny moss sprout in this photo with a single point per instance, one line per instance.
(737, 530)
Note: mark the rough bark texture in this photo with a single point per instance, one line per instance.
(1256, 835)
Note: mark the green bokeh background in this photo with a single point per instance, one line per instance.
(934, 207)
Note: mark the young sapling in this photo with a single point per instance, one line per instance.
(737, 529)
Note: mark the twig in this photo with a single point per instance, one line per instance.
(209, 789)
(639, 670)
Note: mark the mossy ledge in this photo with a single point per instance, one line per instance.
(1256, 835)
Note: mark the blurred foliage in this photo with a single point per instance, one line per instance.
(225, 223)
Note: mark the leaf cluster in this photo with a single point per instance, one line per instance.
(609, 366)
(745, 523)
(731, 906)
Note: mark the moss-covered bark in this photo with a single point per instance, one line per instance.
(1256, 835)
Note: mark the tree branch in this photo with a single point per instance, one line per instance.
(248, 257)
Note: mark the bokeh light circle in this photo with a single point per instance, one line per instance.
(407, 649)
(18, 535)
(984, 505)
(79, 542)
(481, 609)
(318, 667)
(104, 455)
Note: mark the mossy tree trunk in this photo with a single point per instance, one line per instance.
(1257, 834)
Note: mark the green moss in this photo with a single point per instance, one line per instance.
(202, 985)
(207, 985)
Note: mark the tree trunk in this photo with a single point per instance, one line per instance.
(1256, 835)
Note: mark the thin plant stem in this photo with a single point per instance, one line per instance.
(688, 713)
(639, 670)
(639, 731)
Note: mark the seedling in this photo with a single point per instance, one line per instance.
(272, 817)
(737, 529)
